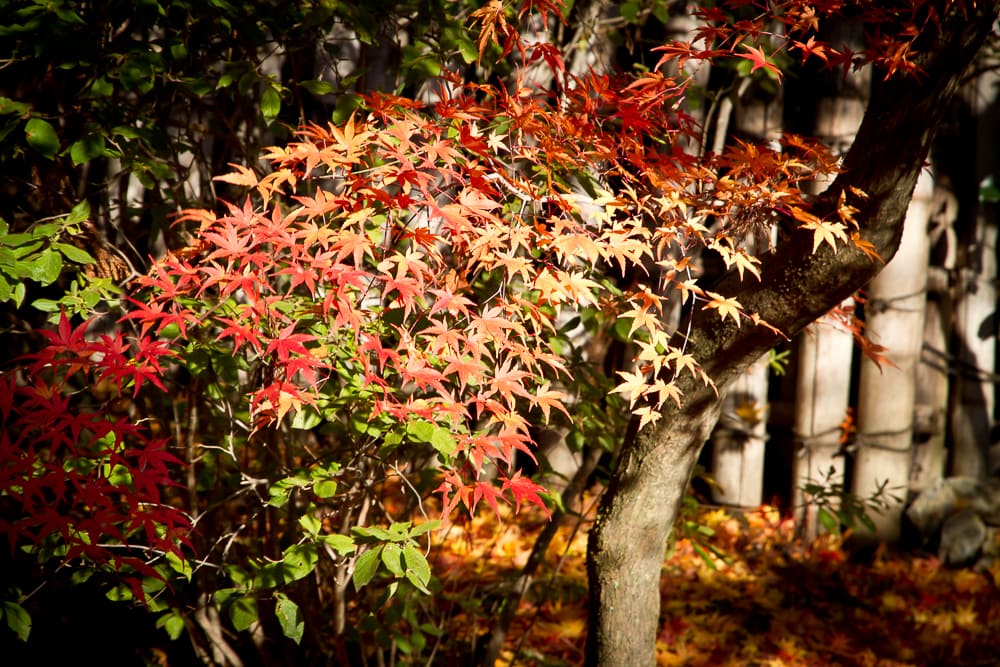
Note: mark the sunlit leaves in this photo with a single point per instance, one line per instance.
(759, 60)
(727, 307)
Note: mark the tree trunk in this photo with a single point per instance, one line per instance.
(629, 538)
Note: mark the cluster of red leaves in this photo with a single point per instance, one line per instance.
(758, 32)
(766, 599)
(83, 478)
(439, 247)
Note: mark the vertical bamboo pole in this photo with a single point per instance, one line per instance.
(825, 351)
(895, 318)
(975, 327)
(738, 442)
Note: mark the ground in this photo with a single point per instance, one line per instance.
(738, 590)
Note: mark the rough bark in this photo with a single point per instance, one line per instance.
(629, 538)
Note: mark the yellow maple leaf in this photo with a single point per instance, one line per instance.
(634, 385)
(665, 390)
(726, 307)
(826, 232)
(646, 415)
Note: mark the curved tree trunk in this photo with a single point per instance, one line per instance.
(628, 541)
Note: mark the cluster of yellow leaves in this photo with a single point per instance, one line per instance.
(766, 598)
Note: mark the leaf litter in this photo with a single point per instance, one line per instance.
(741, 589)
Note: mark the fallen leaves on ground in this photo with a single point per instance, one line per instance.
(751, 594)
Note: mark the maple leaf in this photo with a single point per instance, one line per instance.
(647, 414)
(743, 261)
(230, 240)
(826, 232)
(493, 18)
(759, 60)
(469, 371)
(546, 398)
(813, 48)
(634, 385)
(641, 318)
(508, 382)
(287, 343)
(867, 247)
(351, 142)
(242, 176)
(665, 390)
(726, 307)
(524, 489)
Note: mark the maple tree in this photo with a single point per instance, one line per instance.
(919, 70)
(380, 315)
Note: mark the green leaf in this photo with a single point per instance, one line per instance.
(318, 87)
(443, 441)
(342, 544)
(279, 491)
(45, 231)
(365, 568)
(310, 524)
(173, 623)
(392, 557)
(243, 613)
(420, 431)
(74, 254)
(46, 268)
(42, 137)
(629, 11)
(325, 488)
(829, 522)
(705, 556)
(344, 107)
(989, 192)
(101, 87)
(270, 105)
(179, 565)
(87, 149)
(44, 305)
(415, 581)
(425, 527)
(18, 620)
(437, 436)
(417, 565)
(306, 419)
(300, 560)
(8, 106)
(373, 531)
(290, 617)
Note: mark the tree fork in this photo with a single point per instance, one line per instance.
(628, 541)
